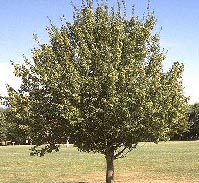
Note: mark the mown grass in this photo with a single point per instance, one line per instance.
(165, 162)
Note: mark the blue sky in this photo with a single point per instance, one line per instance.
(179, 20)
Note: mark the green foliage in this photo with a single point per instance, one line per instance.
(194, 113)
(100, 81)
(3, 127)
(193, 131)
(194, 122)
(12, 130)
(44, 150)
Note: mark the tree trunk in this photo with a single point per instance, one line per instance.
(110, 167)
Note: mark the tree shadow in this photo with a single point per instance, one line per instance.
(76, 182)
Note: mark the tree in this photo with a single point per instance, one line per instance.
(193, 113)
(193, 131)
(100, 81)
(3, 127)
(194, 119)
(11, 130)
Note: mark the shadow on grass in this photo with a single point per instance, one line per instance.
(76, 182)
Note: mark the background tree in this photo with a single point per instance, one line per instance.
(193, 131)
(194, 120)
(11, 130)
(3, 127)
(100, 81)
(193, 116)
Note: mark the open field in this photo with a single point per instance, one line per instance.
(166, 162)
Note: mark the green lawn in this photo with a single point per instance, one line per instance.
(165, 162)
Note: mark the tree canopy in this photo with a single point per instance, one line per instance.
(99, 81)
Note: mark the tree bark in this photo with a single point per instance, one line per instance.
(110, 167)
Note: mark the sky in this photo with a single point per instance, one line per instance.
(178, 19)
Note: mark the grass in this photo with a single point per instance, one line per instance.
(165, 162)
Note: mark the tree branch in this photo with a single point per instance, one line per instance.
(119, 153)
